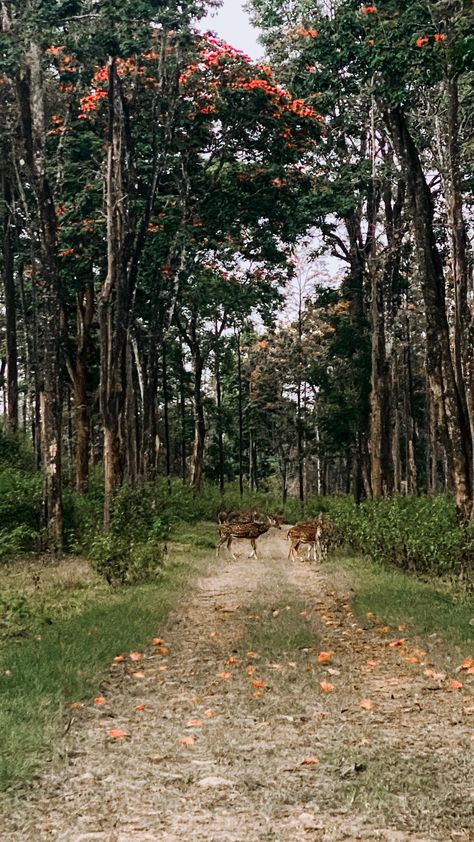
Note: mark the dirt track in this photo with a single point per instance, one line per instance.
(235, 744)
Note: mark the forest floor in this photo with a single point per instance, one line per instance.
(265, 711)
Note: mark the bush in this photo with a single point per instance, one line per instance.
(419, 534)
(123, 562)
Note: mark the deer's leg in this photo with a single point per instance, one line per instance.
(229, 547)
(254, 548)
(220, 542)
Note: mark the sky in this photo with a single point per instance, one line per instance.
(233, 24)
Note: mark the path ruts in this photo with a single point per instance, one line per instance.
(234, 745)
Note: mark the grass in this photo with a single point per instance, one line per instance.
(280, 630)
(59, 639)
(398, 598)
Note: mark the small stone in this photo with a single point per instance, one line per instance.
(212, 782)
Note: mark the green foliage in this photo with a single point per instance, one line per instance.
(396, 598)
(18, 616)
(66, 663)
(419, 534)
(20, 497)
(126, 562)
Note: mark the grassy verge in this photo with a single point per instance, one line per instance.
(59, 637)
(396, 598)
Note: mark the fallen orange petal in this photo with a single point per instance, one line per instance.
(119, 659)
(140, 707)
(99, 700)
(310, 761)
(467, 664)
(257, 683)
(232, 660)
(76, 705)
(252, 654)
(194, 723)
(136, 656)
(366, 704)
(116, 734)
(400, 642)
(250, 669)
(163, 650)
(224, 675)
(209, 713)
(324, 656)
(157, 641)
(138, 674)
(186, 741)
(455, 685)
(326, 687)
(412, 660)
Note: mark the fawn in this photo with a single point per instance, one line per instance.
(315, 533)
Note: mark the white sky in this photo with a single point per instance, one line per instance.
(232, 23)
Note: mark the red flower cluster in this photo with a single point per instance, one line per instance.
(306, 33)
(420, 42)
(90, 102)
(369, 10)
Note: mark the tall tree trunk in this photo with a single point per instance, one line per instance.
(77, 369)
(150, 441)
(31, 97)
(379, 448)
(10, 307)
(395, 388)
(199, 422)
(241, 416)
(220, 434)
(410, 430)
(464, 317)
(114, 300)
(166, 411)
(182, 402)
(130, 431)
(440, 369)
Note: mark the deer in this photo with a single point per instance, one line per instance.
(251, 530)
(315, 533)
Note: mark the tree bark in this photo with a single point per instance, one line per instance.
(32, 109)
(10, 307)
(166, 411)
(199, 423)
(440, 369)
(220, 434)
(114, 301)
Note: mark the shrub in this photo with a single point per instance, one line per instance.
(123, 562)
(420, 534)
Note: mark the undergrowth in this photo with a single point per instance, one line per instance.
(58, 638)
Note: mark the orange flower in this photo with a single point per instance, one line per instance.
(369, 10)
(420, 42)
(439, 36)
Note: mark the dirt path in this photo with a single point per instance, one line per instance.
(238, 740)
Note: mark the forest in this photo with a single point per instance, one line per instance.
(167, 207)
(236, 305)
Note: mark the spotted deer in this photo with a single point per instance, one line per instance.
(315, 533)
(244, 529)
